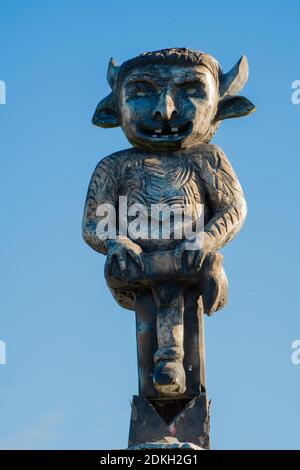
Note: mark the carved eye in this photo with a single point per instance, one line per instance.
(195, 90)
(139, 90)
(141, 93)
(191, 90)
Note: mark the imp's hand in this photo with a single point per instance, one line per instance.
(120, 251)
(189, 256)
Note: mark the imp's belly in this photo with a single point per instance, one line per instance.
(158, 190)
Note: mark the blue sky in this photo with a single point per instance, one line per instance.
(71, 354)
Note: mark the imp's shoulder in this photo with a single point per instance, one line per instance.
(210, 156)
(211, 152)
(112, 164)
(117, 158)
(214, 168)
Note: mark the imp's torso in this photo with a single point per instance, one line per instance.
(171, 181)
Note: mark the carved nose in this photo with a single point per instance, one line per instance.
(165, 108)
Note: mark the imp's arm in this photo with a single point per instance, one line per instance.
(226, 199)
(100, 227)
(101, 196)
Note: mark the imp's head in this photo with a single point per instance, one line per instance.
(172, 98)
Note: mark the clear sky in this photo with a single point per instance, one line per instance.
(71, 353)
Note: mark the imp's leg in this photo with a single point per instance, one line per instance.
(213, 283)
(169, 375)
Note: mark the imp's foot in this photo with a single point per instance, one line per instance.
(169, 378)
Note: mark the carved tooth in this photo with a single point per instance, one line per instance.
(176, 135)
(157, 131)
(154, 136)
(174, 129)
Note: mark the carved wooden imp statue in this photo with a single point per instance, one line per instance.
(169, 104)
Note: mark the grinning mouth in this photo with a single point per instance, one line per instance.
(167, 132)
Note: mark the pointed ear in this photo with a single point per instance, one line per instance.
(234, 106)
(112, 72)
(234, 80)
(106, 114)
